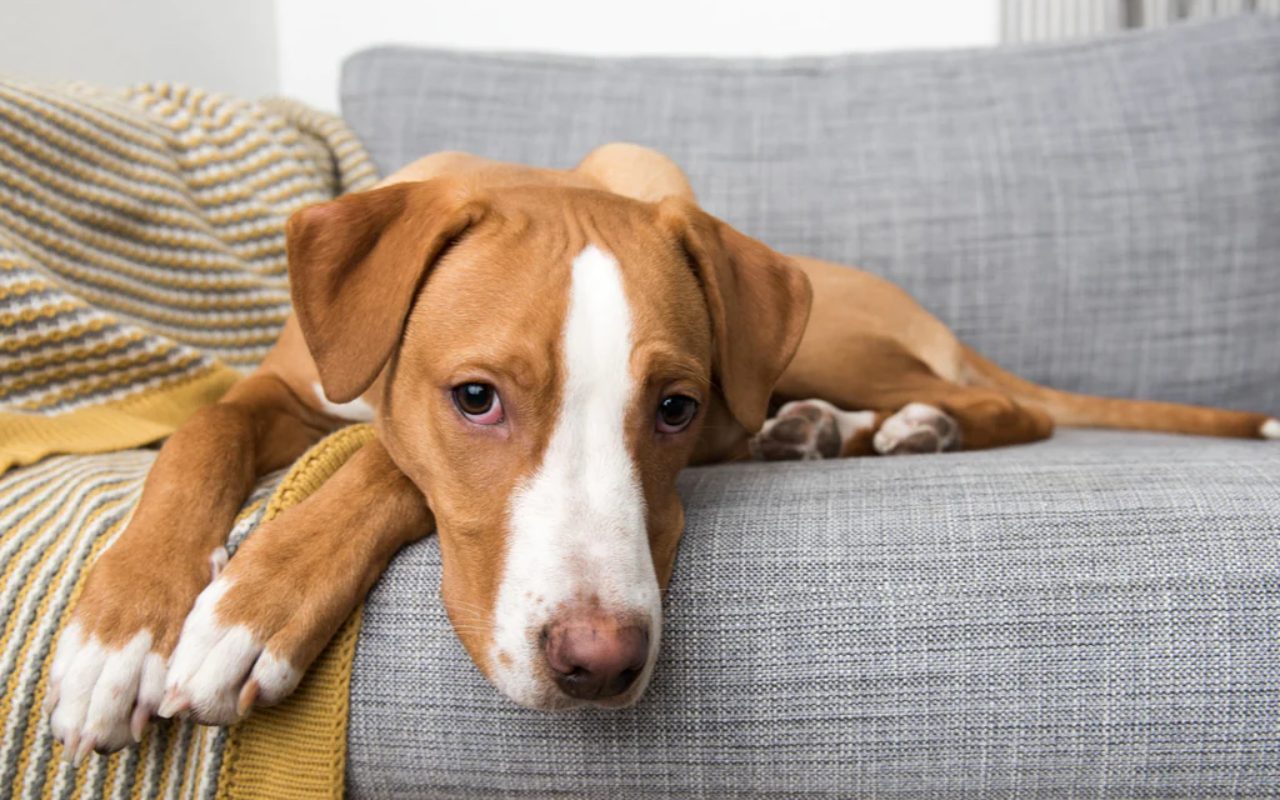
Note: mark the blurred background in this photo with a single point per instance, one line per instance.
(294, 47)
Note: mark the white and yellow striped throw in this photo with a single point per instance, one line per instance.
(142, 268)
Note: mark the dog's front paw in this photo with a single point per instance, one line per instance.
(102, 695)
(917, 428)
(806, 430)
(108, 671)
(231, 654)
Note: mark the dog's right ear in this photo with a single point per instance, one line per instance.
(355, 266)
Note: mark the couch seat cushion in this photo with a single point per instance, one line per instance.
(1098, 614)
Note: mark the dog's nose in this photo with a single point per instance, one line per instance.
(594, 656)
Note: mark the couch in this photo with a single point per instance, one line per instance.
(1097, 615)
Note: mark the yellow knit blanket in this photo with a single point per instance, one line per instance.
(142, 253)
(142, 266)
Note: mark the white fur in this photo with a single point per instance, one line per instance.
(904, 423)
(577, 525)
(213, 662)
(100, 697)
(1271, 429)
(276, 678)
(217, 562)
(847, 422)
(354, 411)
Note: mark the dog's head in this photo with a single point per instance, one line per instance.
(545, 362)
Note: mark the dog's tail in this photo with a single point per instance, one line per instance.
(1087, 411)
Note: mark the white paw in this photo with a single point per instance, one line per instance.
(220, 671)
(1271, 429)
(807, 430)
(917, 428)
(100, 698)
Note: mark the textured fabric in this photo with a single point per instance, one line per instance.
(141, 259)
(55, 519)
(297, 750)
(1099, 216)
(1094, 616)
(142, 253)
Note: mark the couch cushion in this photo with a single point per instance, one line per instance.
(1095, 615)
(1099, 216)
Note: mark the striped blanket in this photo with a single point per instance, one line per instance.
(142, 269)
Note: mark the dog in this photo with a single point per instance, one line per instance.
(540, 352)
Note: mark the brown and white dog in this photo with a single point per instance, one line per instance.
(541, 353)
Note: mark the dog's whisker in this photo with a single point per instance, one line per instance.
(465, 604)
(479, 613)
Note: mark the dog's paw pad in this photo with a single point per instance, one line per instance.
(917, 428)
(803, 430)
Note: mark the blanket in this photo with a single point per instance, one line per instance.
(142, 257)
(142, 270)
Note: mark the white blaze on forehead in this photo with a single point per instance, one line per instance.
(577, 524)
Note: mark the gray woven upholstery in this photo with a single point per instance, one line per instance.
(1095, 616)
(1099, 613)
(1098, 216)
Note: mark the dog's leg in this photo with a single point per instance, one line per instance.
(941, 416)
(635, 171)
(989, 417)
(254, 631)
(808, 430)
(920, 414)
(108, 674)
(805, 430)
(913, 409)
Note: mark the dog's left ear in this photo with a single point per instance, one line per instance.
(355, 267)
(758, 302)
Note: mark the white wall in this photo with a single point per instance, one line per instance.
(315, 35)
(223, 45)
(295, 47)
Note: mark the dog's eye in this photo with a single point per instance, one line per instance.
(478, 402)
(675, 412)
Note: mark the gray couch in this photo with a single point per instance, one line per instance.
(1098, 615)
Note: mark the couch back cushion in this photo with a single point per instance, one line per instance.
(1100, 216)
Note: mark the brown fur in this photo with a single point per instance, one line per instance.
(189, 502)
(288, 588)
(456, 270)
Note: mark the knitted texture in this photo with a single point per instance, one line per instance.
(142, 267)
(142, 254)
(55, 519)
(298, 749)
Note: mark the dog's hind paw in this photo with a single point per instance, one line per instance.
(806, 430)
(917, 428)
